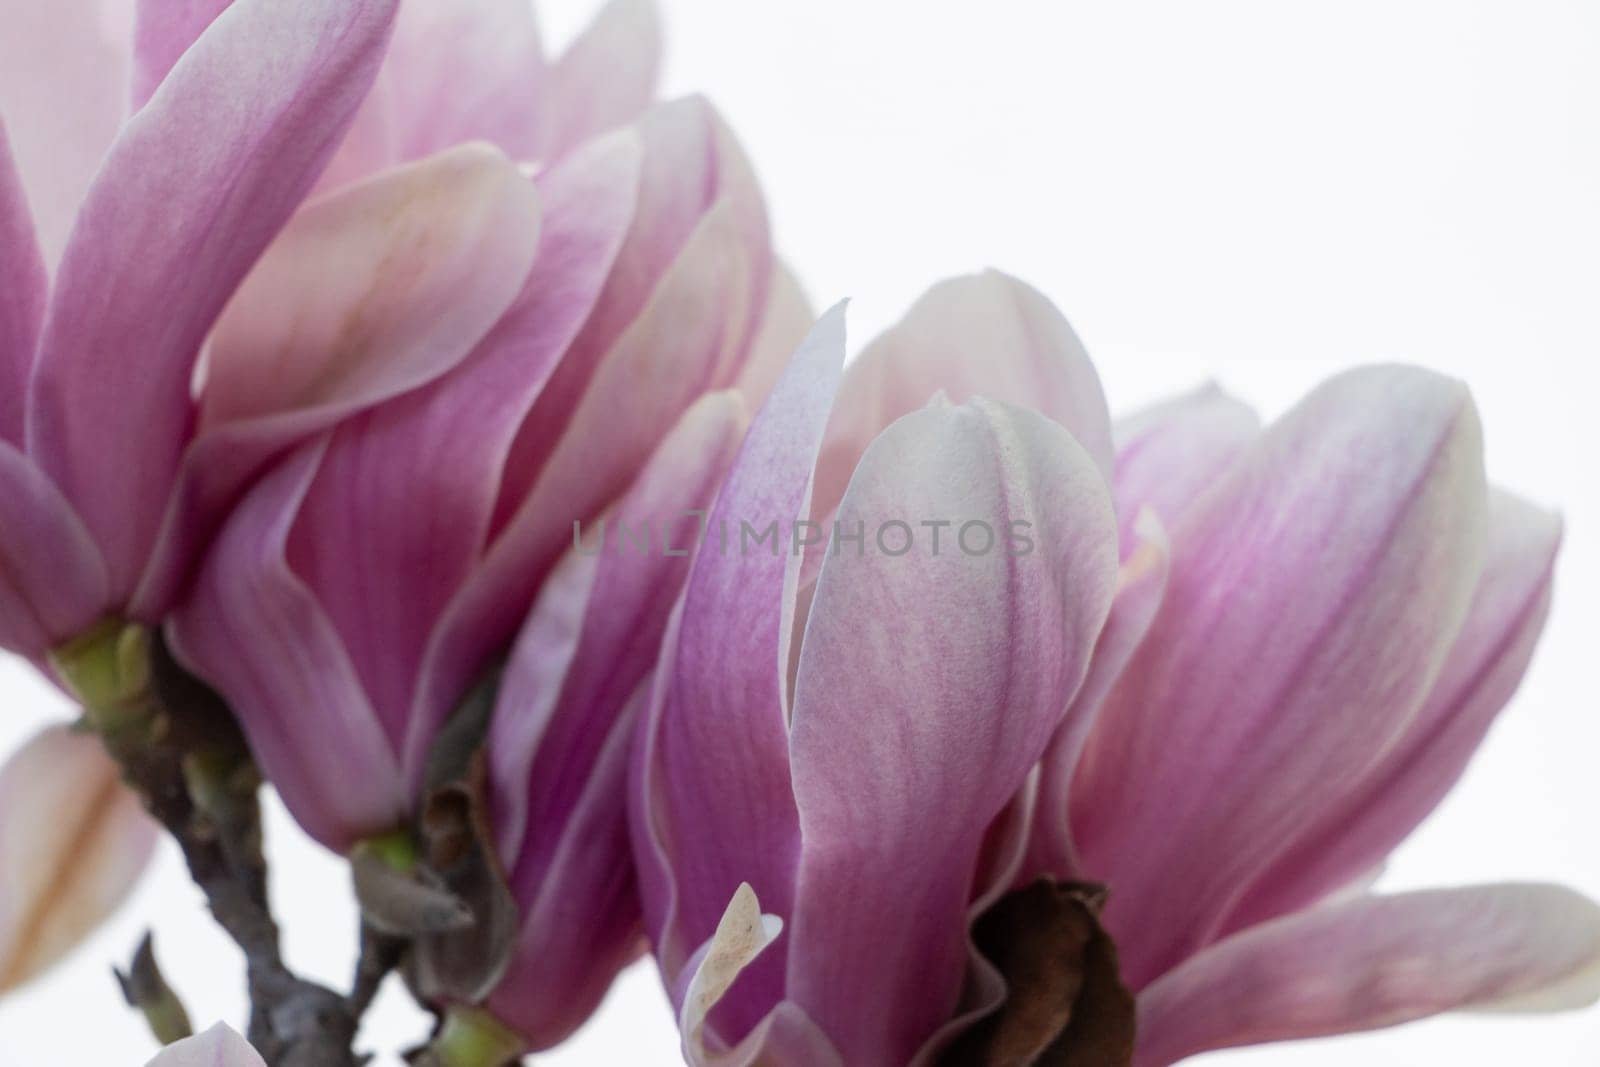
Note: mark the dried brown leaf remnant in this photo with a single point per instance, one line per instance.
(1065, 1004)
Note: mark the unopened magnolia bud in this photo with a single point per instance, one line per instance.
(145, 988)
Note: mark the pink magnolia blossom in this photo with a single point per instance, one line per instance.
(375, 573)
(1310, 631)
(851, 781)
(1300, 666)
(361, 590)
(109, 297)
(150, 153)
(417, 242)
(358, 593)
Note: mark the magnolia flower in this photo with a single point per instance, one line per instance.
(378, 571)
(1312, 628)
(113, 471)
(558, 746)
(72, 842)
(360, 592)
(850, 781)
(1299, 669)
(103, 316)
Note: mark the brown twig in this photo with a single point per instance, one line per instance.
(182, 752)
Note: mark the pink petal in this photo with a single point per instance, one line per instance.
(24, 289)
(623, 383)
(53, 582)
(163, 31)
(1486, 665)
(582, 926)
(785, 322)
(63, 92)
(589, 201)
(607, 77)
(73, 842)
(712, 803)
(692, 273)
(255, 632)
(1141, 584)
(680, 347)
(194, 189)
(217, 1047)
(910, 736)
(1374, 962)
(784, 1036)
(339, 306)
(364, 296)
(466, 70)
(594, 634)
(985, 335)
(371, 144)
(1310, 603)
(1169, 455)
(381, 567)
(563, 728)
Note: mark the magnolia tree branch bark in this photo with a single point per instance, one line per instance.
(182, 752)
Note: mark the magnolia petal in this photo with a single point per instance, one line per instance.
(253, 631)
(196, 186)
(24, 289)
(1352, 533)
(163, 31)
(692, 328)
(364, 296)
(533, 518)
(1170, 454)
(594, 633)
(217, 1047)
(589, 199)
(466, 70)
(580, 924)
(607, 77)
(63, 92)
(344, 303)
(563, 727)
(53, 583)
(712, 802)
(999, 870)
(579, 450)
(742, 934)
(784, 324)
(785, 1036)
(688, 279)
(1141, 583)
(385, 571)
(910, 737)
(370, 145)
(1374, 962)
(73, 841)
(986, 335)
(1485, 666)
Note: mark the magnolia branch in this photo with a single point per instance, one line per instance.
(182, 752)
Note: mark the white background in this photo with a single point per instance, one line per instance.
(1253, 190)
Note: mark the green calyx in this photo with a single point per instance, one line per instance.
(397, 850)
(108, 670)
(471, 1037)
